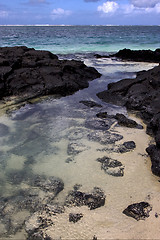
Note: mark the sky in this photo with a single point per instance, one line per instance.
(80, 12)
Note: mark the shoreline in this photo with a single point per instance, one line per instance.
(140, 95)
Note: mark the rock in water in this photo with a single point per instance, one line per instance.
(112, 166)
(93, 200)
(91, 104)
(139, 55)
(139, 211)
(26, 72)
(75, 217)
(126, 122)
(51, 184)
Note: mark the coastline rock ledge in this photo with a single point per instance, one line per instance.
(142, 95)
(26, 72)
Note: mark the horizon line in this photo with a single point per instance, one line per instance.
(70, 25)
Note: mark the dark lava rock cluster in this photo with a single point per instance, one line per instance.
(139, 55)
(27, 72)
(135, 55)
(142, 95)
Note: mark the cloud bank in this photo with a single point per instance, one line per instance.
(108, 7)
(133, 7)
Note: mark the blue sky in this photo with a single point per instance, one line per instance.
(80, 12)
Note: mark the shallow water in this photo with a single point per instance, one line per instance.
(51, 138)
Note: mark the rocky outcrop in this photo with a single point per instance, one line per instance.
(138, 55)
(142, 95)
(26, 72)
(121, 119)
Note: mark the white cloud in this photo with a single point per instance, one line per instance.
(59, 12)
(145, 3)
(108, 7)
(128, 8)
(3, 14)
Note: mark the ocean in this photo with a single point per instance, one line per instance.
(81, 39)
(49, 137)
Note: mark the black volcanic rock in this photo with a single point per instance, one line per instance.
(139, 211)
(75, 217)
(93, 200)
(126, 122)
(138, 55)
(26, 72)
(142, 95)
(154, 153)
(136, 94)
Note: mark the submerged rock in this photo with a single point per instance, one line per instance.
(27, 73)
(129, 145)
(76, 148)
(4, 130)
(102, 115)
(99, 124)
(51, 184)
(37, 224)
(121, 119)
(112, 166)
(39, 236)
(76, 133)
(104, 137)
(91, 104)
(75, 217)
(93, 200)
(139, 211)
(121, 148)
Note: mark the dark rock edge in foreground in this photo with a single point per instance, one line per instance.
(26, 73)
(142, 95)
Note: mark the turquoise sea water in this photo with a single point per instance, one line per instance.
(77, 39)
